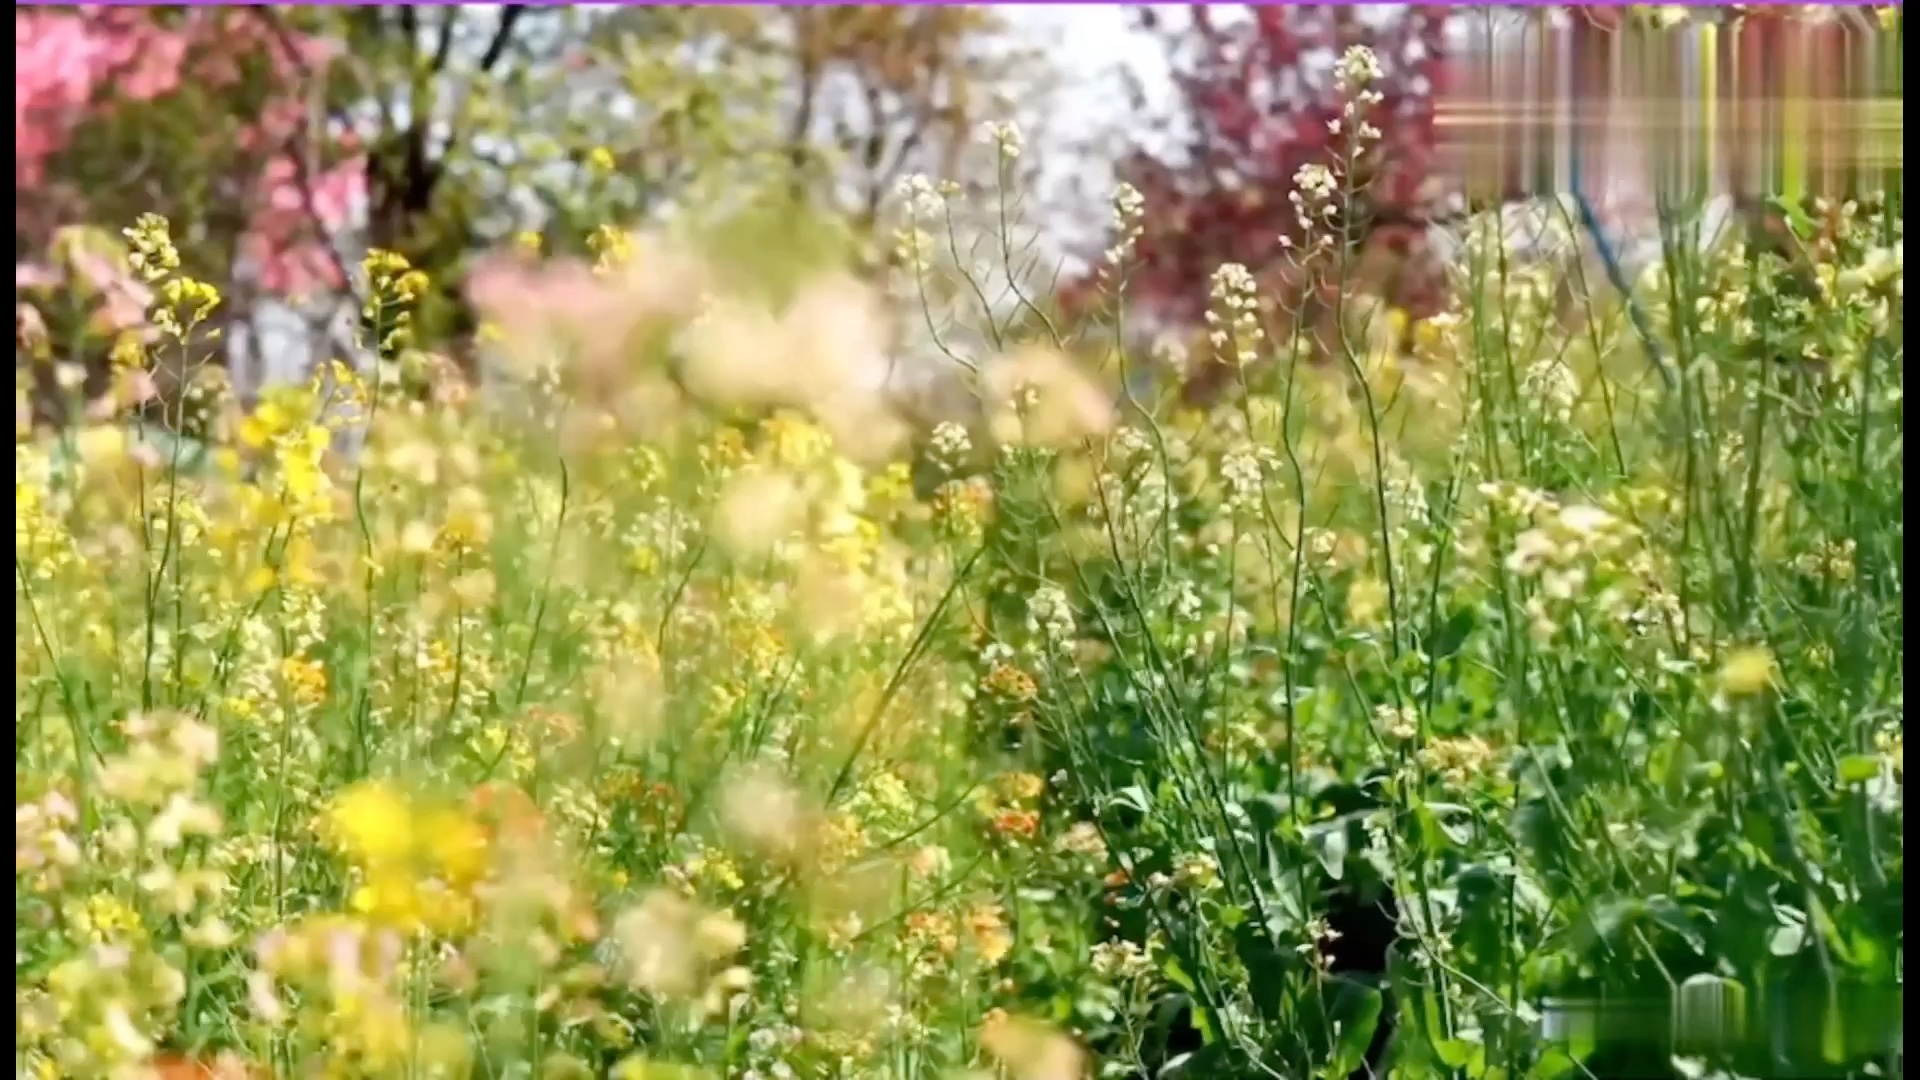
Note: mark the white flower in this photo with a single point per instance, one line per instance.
(923, 198)
(1551, 383)
(1586, 521)
(950, 444)
(1241, 469)
(1236, 325)
(1186, 603)
(1129, 207)
(914, 248)
(1006, 137)
(1050, 615)
(1357, 69)
(1083, 838)
(1317, 181)
(120, 1028)
(1531, 550)
(1128, 441)
(1119, 960)
(1401, 723)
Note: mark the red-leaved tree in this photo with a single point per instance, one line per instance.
(1257, 99)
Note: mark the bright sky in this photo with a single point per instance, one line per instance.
(1092, 37)
(1095, 43)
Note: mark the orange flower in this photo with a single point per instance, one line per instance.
(988, 925)
(562, 727)
(507, 810)
(224, 1067)
(1031, 1051)
(1023, 824)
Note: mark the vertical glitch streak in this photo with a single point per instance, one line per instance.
(1707, 53)
(1793, 113)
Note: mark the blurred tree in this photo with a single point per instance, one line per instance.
(283, 142)
(880, 93)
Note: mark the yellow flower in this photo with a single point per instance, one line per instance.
(1367, 603)
(719, 935)
(373, 824)
(1893, 747)
(107, 918)
(1458, 759)
(715, 869)
(254, 432)
(101, 445)
(1022, 786)
(457, 846)
(302, 479)
(411, 286)
(468, 522)
(271, 418)
(306, 679)
(260, 579)
(153, 254)
(892, 485)
(613, 247)
(1747, 672)
(639, 1068)
(382, 265)
(390, 898)
(793, 442)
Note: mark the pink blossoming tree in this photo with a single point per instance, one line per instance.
(203, 116)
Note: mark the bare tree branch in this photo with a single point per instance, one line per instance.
(502, 36)
(444, 48)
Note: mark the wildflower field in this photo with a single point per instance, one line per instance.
(667, 699)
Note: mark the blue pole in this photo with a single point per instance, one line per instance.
(1610, 260)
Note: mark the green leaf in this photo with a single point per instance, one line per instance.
(1438, 831)
(1664, 911)
(1833, 1035)
(1787, 940)
(1795, 214)
(1454, 1053)
(1859, 768)
(1552, 1065)
(1332, 850)
(1452, 634)
(1354, 1014)
(1177, 1065)
(1177, 975)
(1133, 797)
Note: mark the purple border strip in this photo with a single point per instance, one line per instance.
(935, 3)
